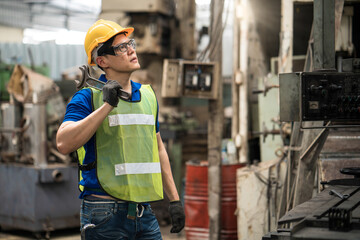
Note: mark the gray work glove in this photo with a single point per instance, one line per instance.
(110, 92)
(177, 215)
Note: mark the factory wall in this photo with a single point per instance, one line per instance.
(12, 34)
(57, 57)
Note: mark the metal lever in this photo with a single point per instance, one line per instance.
(265, 90)
(342, 196)
(89, 81)
(267, 132)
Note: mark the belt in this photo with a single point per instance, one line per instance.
(103, 201)
(134, 209)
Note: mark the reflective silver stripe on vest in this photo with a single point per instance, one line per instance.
(137, 168)
(131, 119)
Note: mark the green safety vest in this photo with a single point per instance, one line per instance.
(127, 157)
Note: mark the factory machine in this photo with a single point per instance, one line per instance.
(38, 184)
(324, 106)
(331, 97)
(332, 214)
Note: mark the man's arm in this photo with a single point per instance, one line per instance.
(176, 209)
(167, 177)
(72, 135)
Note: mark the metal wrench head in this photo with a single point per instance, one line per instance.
(84, 75)
(88, 81)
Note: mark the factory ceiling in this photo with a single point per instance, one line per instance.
(75, 15)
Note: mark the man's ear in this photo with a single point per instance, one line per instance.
(101, 61)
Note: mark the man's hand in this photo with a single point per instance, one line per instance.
(177, 215)
(110, 92)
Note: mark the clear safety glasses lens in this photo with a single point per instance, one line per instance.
(123, 47)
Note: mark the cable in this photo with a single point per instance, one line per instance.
(216, 30)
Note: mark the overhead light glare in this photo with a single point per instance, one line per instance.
(61, 37)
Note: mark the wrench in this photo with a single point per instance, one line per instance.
(89, 81)
(342, 196)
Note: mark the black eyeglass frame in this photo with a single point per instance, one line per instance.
(112, 49)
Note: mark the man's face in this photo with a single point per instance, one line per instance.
(124, 61)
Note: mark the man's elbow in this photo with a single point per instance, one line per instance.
(63, 148)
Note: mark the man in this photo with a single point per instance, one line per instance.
(122, 159)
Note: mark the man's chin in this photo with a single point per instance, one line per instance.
(137, 67)
(133, 69)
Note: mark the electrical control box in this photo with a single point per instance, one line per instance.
(333, 96)
(190, 79)
(319, 96)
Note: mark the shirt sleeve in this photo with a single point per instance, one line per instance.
(79, 107)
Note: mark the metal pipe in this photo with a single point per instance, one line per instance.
(36, 133)
(57, 175)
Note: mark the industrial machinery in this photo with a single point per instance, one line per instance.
(333, 214)
(322, 95)
(39, 184)
(322, 103)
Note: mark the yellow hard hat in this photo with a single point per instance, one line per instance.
(100, 32)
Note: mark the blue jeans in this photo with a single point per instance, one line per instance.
(107, 219)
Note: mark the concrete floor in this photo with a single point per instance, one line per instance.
(73, 234)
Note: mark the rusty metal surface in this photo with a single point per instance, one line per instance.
(342, 141)
(315, 206)
(330, 167)
(29, 86)
(311, 220)
(341, 150)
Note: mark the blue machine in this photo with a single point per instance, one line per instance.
(39, 199)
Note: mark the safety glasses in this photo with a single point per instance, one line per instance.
(119, 49)
(123, 47)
